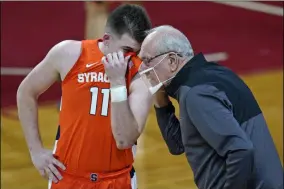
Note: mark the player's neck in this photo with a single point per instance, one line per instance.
(101, 47)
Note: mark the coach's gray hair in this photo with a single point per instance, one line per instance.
(171, 39)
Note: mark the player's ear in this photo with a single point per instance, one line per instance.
(173, 62)
(106, 39)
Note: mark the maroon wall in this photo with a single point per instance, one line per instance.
(253, 40)
(29, 30)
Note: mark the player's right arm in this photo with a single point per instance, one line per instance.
(36, 82)
(168, 123)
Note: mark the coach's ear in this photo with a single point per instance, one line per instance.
(173, 62)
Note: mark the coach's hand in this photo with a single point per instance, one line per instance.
(115, 67)
(161, 98)
(47, 165)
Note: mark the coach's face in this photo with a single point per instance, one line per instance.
(157, 68)
(125, 43)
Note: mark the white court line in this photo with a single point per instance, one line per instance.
(16, 71)
(255, 6)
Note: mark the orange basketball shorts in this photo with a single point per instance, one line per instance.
(118, 180)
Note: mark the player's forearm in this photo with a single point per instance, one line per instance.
(27, 112)
(123, 123)
(170, 128)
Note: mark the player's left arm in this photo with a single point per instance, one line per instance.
(128, 112)
(140, 101)
(129, 117)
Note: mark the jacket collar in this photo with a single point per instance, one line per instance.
(183, 75)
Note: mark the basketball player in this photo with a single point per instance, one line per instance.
(92, 151)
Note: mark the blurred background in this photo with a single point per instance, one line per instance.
(245, 36)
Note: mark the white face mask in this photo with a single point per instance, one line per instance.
(152, 85)
(154, 89)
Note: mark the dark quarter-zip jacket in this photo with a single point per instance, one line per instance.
(221, 129)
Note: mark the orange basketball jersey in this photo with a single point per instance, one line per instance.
(86, 143)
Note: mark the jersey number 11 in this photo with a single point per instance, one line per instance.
(94, 101)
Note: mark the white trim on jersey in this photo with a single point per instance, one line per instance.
(134, 150)
(134, 182)
(134, 178)
(49, 183)
(55, 146)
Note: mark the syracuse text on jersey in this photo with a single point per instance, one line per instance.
(93, 77)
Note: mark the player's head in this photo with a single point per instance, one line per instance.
(164, 52)
(126, 29)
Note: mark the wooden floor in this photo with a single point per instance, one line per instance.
(156, 168)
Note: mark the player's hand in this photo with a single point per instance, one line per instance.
(115, 66)
(161, 98)
(47, 164)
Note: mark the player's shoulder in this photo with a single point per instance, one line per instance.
(69, 42)
(90, 43)
(64, 55)
(65, 50)
(68, 46)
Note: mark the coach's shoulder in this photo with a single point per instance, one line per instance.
(201, 93)
(204, 89)
(204, 96)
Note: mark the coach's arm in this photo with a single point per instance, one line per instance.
(129, 117)
(211, 112)
(168, 123)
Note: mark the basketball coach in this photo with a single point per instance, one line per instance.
(221, 129)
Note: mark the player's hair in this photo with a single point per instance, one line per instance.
(131, 19)
(171, 39)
